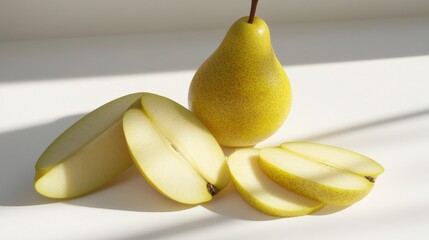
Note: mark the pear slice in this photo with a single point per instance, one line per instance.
(262, 193)
(88, 154)
(337, 157)
(174, 151)
(313, 179)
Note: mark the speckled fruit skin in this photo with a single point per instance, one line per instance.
(241, 92)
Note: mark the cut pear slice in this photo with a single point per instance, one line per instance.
(189, 137)
(174, 152)
(262, 193)
(159, 162)
(313, 179)
(337, 157)
(88, 154)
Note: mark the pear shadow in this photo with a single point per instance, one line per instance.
(168, 232)
(329, 209)
(229, 203)
(129, 192)
(227, 151)
(230, 150)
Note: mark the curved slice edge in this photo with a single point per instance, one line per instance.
(313, 180)
(162, 167)
(88, 155)
(261, 192)
(338, 157)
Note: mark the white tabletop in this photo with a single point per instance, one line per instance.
(360, 85)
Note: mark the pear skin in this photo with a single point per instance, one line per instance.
(241, 92)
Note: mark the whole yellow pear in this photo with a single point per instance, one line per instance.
(241, 92)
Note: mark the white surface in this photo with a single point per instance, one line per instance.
(20, 20)
(359, 85)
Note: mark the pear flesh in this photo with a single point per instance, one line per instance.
(88, 155)
(189, 137)
(313, 179)
(241, 92)
(174, 152)
(262, 193)
(337, 157)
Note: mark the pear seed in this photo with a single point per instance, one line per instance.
(212, 189)
(371, 179)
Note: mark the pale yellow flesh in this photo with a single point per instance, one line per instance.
(189, 136)
(312, 179)
(85, 130)
(336, 157)
(262, 193)
(162, 166)
(91, 167)
(87, 155)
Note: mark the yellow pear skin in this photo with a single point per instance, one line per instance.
(241, 92)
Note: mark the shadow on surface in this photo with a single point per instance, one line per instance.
(329, 209)
(229, 203)
(371, 124)
(129, 192)
(306, 43)
(181, 228)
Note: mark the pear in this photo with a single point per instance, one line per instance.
(174, 151)
(337, 157)
(263, 194)
(88, 155)
(327, 177)
(241, 92)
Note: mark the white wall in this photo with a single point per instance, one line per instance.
(35, 19)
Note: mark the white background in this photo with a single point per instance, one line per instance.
(360, 83)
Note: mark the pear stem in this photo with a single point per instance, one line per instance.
(252, 11)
